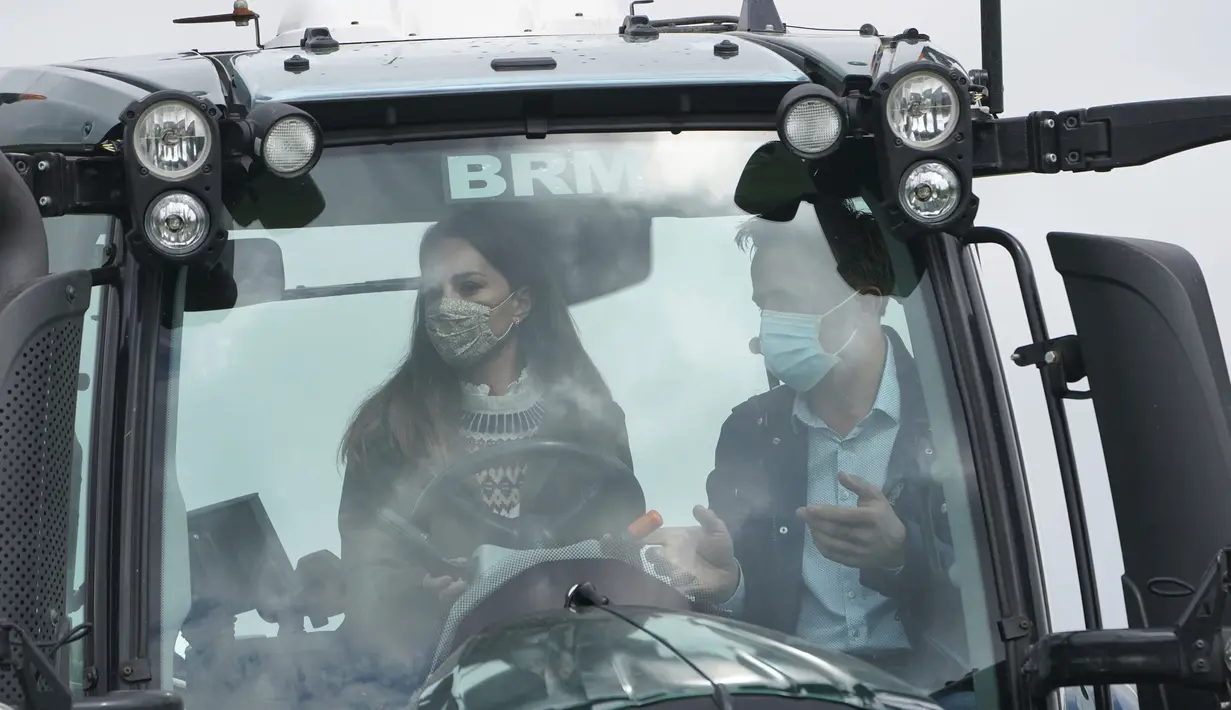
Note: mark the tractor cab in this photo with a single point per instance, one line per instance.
(585, 364)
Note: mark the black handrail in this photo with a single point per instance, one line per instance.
(1053, 388)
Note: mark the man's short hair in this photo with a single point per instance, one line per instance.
(850, 238)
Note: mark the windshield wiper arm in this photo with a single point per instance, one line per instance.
(584, 595)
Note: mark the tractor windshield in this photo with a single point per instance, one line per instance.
(448, 370)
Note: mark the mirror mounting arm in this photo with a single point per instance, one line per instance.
(1063, 356)
(1101, 138)
(65, 184)
(1193, 654)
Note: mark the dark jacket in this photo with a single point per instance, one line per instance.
(760, 478)
(392, 620)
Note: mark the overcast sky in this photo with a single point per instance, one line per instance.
(1105, 52)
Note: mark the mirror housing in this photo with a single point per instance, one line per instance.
(255, 195)
(773, 183)
(598, 248)
(1150, 348)
(249, 271)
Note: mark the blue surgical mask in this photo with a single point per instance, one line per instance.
(791, 346)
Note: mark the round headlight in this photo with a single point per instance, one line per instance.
(923, 109)
(172, 140)
(812, 126)
(930, 192)
(290, 146)
(176, 223)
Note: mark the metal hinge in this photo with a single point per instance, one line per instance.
(135, 671)
(1068, 141)
(1062, 357)
(1014, 628)
(64, 184)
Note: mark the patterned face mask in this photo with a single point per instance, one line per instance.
(461, 331)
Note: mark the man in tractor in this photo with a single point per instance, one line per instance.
(824, 520)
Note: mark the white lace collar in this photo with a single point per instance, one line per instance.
(523, 394)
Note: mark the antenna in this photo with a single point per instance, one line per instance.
(993, 53)
(760, 16)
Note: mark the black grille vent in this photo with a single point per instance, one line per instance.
(37, 413)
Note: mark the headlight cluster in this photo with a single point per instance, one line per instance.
(919, 117)
(172, 157)
(173, 152)
(924, 112)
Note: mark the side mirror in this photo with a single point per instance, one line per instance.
(250, 271)
(256, 195)
(773, 183)
(1149, 345)
(599, 246)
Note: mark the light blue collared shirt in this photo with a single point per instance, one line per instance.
(837, 612)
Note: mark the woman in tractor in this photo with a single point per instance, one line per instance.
(494, 358)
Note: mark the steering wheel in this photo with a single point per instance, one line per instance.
(612, 500)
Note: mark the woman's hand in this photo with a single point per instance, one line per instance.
(447, 588)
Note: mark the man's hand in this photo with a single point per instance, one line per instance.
(869, 535)
(706, 552)
(447, 589)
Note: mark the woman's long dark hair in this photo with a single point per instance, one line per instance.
(415, 415)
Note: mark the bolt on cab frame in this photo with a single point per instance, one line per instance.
(81, 139)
